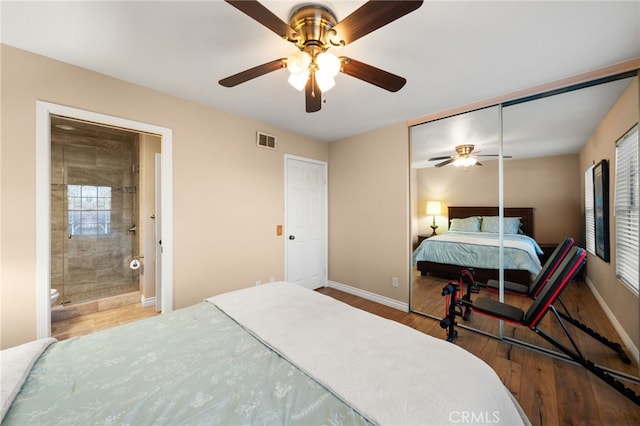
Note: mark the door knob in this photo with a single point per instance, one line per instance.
(292, 237)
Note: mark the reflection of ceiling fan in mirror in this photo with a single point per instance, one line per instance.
(313, 30)
(463, 158)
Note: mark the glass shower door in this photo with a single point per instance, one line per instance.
(97, 203)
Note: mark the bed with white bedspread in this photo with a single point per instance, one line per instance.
(480, 250)
(272, 354)
(474, 243)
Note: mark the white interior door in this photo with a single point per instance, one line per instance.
(306, 222)
(158, 234)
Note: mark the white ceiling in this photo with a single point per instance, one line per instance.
(451, 53)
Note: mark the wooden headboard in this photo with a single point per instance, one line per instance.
(526, 213)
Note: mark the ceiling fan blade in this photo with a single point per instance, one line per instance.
(371, 74)
(444, 163)
(371, 16)
(264, 16)
(439, 158)
(312, 95)
(252, 73)
(494, 155)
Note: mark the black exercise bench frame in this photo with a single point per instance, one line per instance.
(543, 303)
(534, 289)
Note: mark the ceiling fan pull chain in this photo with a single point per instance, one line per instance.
(313, 84)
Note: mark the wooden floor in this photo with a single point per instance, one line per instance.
(550, 391)
(97, 321)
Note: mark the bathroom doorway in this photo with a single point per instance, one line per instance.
(92, 204)
(95, 214)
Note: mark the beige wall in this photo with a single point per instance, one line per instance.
(228, 194)
(369, 211)
(550, 185)
(622, 303)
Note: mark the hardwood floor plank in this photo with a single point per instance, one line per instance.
(579, 396)
(614, 409)
(86, 324)
(510, 373)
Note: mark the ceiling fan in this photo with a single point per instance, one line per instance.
(463, 157)
(314, 29)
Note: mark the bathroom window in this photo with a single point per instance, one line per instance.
(89, 209)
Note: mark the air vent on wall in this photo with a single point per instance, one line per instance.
(266, 141)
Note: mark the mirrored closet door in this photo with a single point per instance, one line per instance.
(539, 171)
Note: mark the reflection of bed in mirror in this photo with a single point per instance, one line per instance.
(516, 272)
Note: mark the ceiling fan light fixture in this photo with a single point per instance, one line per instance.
(325, 82)
(298, 65)
(328, 64)
(299, 62)
(465, 162)
(299, 81)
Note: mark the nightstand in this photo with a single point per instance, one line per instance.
(547, 250)
(422, 237)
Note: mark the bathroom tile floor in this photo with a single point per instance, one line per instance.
(86, 324)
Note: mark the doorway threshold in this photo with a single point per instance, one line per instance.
(65, 312)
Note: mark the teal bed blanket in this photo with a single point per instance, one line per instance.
(276, 354)
(480, 250)
(206, 370)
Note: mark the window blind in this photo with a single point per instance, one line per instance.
(626, 210)
(589, 213)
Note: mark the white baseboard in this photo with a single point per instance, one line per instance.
(147, 302)
(635, 354)
(383, 300)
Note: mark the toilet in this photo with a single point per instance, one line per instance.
(54, 296)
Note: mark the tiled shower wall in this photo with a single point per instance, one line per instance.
(96, 264)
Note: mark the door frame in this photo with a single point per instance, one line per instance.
(44, 110)
(157, 230)
(324, 165)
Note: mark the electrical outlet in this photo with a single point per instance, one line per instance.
(394, 281)
(258, 283)
(272, 279)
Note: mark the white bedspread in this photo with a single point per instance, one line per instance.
(390, 373)
(15, 364)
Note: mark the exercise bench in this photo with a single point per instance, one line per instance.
(543, 303)
(534, 289)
